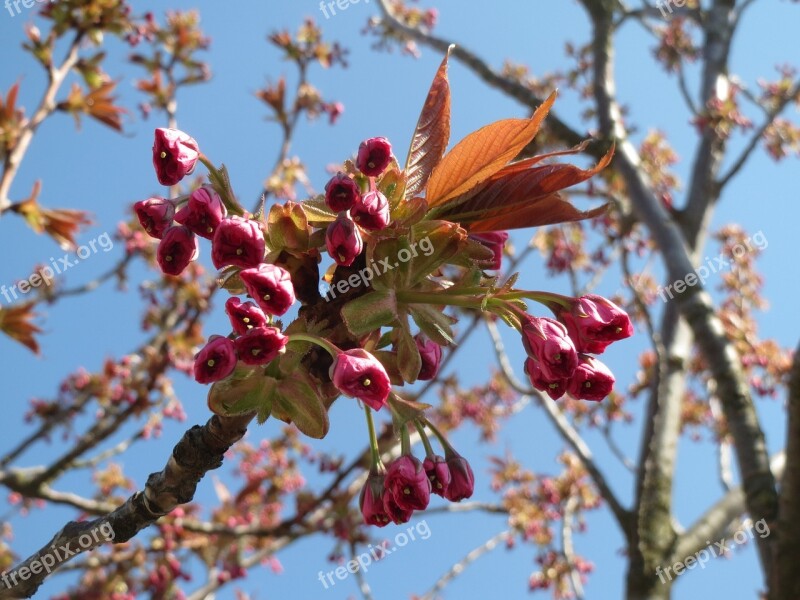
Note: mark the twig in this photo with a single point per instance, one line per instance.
(56, 77)
(569, 549)
(459, 567)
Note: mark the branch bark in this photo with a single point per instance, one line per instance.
(788, 549)
(200, 450)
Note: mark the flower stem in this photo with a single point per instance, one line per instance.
(546, 298)
(373, 439)
(405, 440)
(207, 163)
(410, 297)
(424, 437)
(442, 440)
(323, 343)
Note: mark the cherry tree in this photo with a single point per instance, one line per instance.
(363, 290)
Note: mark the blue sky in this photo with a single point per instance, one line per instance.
(104, 172)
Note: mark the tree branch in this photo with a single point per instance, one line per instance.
(477, 65)
(200, 450)
(789, 516)
(459, 567)
(56, 77)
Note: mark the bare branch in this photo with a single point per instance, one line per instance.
(459, 567)
(56, 77)
(569, 550)
(751, 146)
(491, 77)
(725, 513)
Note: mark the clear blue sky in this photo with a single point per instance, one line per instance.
(103, 172)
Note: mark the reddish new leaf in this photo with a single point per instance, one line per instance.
(9, 110)
(549, 210)
(482, 154)
(17, 323)
(527, 163)
(523, 197)
(431, 135)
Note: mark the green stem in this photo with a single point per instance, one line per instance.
(373, 440)
(424, 437)
(546, 298)
(305, 337)
(405, 440)
(439, 435)
(408, 297)
(207, 163)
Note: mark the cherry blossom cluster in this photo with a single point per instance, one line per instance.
(559, 350)
(245, 248)
(392, 493)
(369, 210)
(239, 242)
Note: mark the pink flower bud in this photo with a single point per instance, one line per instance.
(335, 110)
(546, 340)
(496, 242)
(374, 155)
(408, 484)
(237, 242)
(358, 374)
(176, 250)
(553, 388)
(174, 155)
(343, 240)
(595, 322)
(592, 380)
(462, 480)
(431, 17)
(270, 286)
(244, 316)
(203, 213)
(215, 361)
(431, 354)
(438, 474)
(341, 192)
(372, 211)
(155, 215)
(395, 512)
(371, 501)
(260, 345)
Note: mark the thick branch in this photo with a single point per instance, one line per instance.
(712, 525)
(703, 189)
(789, 520)
(200, 450)
(695, 306)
